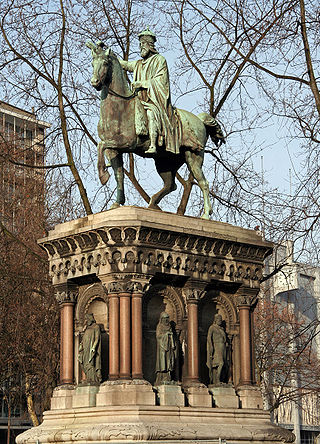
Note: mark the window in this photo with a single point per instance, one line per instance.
(308, 437)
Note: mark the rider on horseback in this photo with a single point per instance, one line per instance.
(151, 81)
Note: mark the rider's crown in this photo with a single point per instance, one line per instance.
(147, 33)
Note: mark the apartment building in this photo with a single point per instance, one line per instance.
(22, 146)
(295, 292)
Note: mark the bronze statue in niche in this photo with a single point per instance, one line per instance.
(166, 350)
(90, 350)
(216, 351)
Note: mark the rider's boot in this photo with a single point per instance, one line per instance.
(153, 134)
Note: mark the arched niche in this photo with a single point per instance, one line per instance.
(158, 299)
(213, 302)
(93, 299)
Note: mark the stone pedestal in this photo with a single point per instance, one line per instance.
(170, 394)
(62, 397)
(85, 396)
(155, 425)
(131, 392)
(126, 266)
(250, 397)
(198, 396)
(224, 396)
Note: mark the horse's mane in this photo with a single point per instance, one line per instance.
(116, 66)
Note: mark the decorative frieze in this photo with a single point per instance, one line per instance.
(104, 260)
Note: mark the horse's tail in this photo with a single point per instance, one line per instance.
(213, 128)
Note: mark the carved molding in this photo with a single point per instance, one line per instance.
(226, 304)
(93, 292)
(170, 295)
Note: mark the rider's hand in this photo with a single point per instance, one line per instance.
(136, 85)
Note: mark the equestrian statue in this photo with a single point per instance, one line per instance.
(141, 119)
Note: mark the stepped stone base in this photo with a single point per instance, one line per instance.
(170, 394)
(126, 392)
(250, 397)
(224, 396)
(155, 425)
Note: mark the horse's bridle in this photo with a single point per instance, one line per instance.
(114, 93)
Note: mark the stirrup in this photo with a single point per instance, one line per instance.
(151, 150)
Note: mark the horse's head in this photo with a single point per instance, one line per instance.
(100, 64)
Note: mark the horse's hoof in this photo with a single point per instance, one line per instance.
(114, 206)
(205, 216)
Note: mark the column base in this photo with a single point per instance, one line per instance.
(250, 397)
(85, 395)
(198, 395)
(129, 392)
(62, 397)
(224, 396)
(170, 394)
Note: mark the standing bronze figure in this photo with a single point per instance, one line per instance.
(90, 350)
(166, 350)
(216, 350)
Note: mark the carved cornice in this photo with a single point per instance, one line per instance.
(150, 251)
(156, 238)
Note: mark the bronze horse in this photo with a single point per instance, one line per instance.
(117, 132)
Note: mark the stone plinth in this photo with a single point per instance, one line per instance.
(155, 425)
(224, 396)
(85, 396)
(131, 392)
(198, 396)
(127, 266)
(62, 397)
(250, 397)
(170, 394)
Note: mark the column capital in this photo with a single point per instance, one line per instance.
(122, 283)
(246, 297)
(192, 295)
(66, 293)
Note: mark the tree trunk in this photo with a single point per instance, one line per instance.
(30, 404)
(9, 422)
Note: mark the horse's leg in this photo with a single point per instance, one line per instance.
(116, 160)
(194, 163)
(104, 174)
(169, 185)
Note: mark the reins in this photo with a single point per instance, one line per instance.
(113, 93)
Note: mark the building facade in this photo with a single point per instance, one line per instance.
(293, 294)
(22, 147)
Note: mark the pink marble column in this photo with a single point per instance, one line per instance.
(137, 336)
(66, 295)
(114, 357)
(67, 334)
(125, 328)
(193, 342)
(245, 345)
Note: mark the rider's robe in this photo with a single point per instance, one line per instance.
(153, 73)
